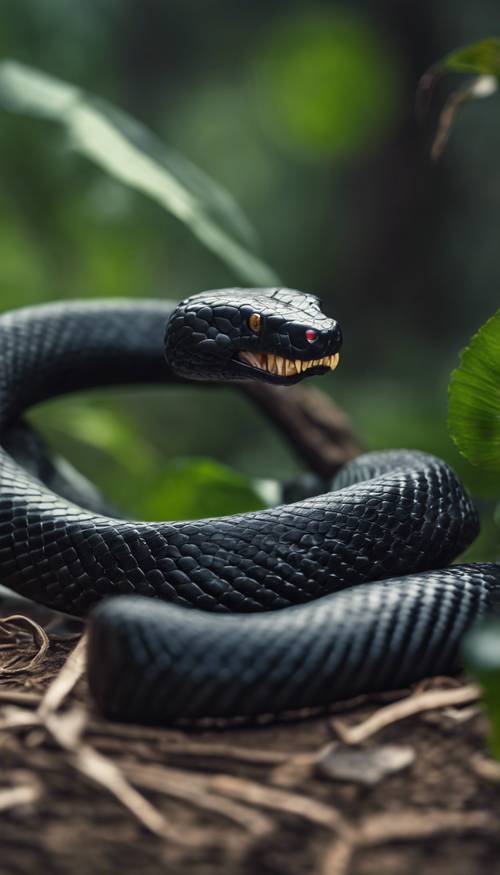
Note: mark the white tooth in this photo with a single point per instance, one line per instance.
(280, 365)
(290, 367)
(271, 363)
(248, 357)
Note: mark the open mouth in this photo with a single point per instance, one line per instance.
(283, 367)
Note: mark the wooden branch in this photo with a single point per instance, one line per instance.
(317, 429)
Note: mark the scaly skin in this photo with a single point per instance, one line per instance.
(388, 515)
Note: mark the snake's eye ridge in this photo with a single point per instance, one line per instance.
(254, 322)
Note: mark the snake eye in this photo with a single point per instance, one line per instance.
(254, 322)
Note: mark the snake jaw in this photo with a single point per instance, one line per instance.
(279, 336)
(280, 366)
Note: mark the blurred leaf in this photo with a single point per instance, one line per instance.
(197, 488)
(128, 151)
(106, 431)
(133, 474)
(474, 398)
(329, 82)
(482, 658)
(483, 60)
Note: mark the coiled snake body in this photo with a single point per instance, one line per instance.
(350, 571)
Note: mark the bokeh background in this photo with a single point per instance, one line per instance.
(305, 113)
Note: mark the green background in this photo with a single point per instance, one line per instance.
(305, 112)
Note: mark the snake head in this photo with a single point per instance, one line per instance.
(276, 335)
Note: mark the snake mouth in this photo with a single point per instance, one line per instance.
(280, 366)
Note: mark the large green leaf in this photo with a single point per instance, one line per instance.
(474, 398)
(130, 152)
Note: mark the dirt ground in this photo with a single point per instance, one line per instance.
(81, 795)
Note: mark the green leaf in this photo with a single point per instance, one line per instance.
(474, 398)
(482, 58)
(482, 658)
(128, 151)
(197, 488)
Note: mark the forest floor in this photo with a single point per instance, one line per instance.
(362, 791)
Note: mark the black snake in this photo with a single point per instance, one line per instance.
(350, 570)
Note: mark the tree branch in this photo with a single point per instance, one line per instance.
(318, 431)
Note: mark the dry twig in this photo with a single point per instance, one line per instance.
(18, 697)
(67, 678)
(414, 704)
(67, 732)
(23, 794)
(404, 826)
(486, 768)
(407, 826)
(39, 636)
(193, 788)
(306, 807)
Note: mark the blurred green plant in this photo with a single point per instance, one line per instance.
(482, 659)
(329, 82)
(482, 59)
(128, 151)
(137, 478)
(474, 388)
(187, 488)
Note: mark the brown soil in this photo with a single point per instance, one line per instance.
(80, 795)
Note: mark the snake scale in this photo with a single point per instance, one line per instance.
(296, 606)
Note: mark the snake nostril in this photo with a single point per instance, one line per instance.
(311, 335)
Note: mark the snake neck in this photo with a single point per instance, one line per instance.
(58, 348)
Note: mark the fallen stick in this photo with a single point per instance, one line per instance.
(193, 788)
(408, 826)
(414, 704)
(18, 697)
(65, 680)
